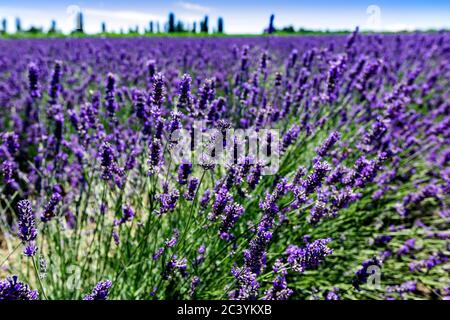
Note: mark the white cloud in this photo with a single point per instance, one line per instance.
(194, 7)
(65, 18)
(122, 15)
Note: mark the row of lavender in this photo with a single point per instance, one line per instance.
(93, 205)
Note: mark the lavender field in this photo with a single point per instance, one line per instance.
(96, 205)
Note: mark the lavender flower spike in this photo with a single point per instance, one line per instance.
(100, 291)
(309, 257)
(27, 227)
(328, 144)
(12, 289)
(33, 80)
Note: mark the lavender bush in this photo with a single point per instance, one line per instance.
(95, 206)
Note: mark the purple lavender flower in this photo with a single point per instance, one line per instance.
(168, 201)
(184, 99)
(8, 170)
(382, 240)
(27, 227)
(373, 136)
(299, 174)
(309, 257)
(170, 243)
(408, 246)
(333, 77)
(415, 198)
(55, 85)
(351, 39)
(33, 81)
(174, 124)
(278, 79)
(201, 255)
(314, 180)
(279, 289)
(184, 170)
(247, 284)
(194, 284)
(30, 249)
(71, 219)
(223, 197)
(139, 105)
(12, 289)
(318, 212)
(158, 90)
(291, 136)
(11, 142)
(50, 208)
(263, 61)
(369, 70)
(364, 171)
(328, 144)
(367, 269)
(107, 161)
(344, 198)
(269, 205)
(205, 95)
(217, 107)
(155, 156)
(229, 218)
(110, 100)
(255, 255)
(192, 188)
(100, 291)
(332, 295)
(205, 198)
(116, 237)
(158, 254)
(175, 264)
(432, 261)
(151, 68)
(408, 286)
(127, 215)
(254, 176)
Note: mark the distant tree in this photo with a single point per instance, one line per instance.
(150, 27)
(288, 29)
(194, 27)
(80, 23)
(271, 28)
(52, 27)
(103, 27)
(220, 25)
(171, 23)
(179, 26)
(158, 29)
(4, 25)
(18, 25)
(34, 30)
(204, 25)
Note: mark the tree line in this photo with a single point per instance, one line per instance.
(172, 25)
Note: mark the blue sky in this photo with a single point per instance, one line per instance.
(240, 16)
